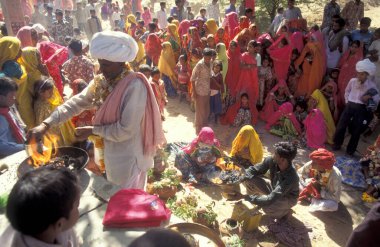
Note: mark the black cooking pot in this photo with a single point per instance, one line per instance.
(74, 152)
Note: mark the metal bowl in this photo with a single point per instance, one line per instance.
(74, 152)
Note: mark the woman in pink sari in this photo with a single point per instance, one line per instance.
(280, 52)
(183, 28)
(279, 95)
(54, 56)
(248, 79)
(231, 22)
(297, 41)
(316, 130)
(347, 68)
(28, 36)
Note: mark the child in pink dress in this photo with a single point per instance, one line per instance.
(159, 90)
(183, 71)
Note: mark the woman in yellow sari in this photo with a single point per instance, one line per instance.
(247, 148)
(166, 65)
(211, 27)
(31, 61)
(173, 38)
(318, 100)
(132, 29)
(221, 55)
(10, 51)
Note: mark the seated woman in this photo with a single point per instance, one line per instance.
(318, 100)
(284, 123)
(239, 114)
(199, 157)
(300, 110)
(321, 181)
(315, 128)
(277, 96)
(246, 148)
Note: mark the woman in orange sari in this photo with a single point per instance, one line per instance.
(222, 37)
(347, 66)
(243, 23)
(313, 66)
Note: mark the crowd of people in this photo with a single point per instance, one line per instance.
(309, 84)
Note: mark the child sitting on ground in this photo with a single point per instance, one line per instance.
(12, 136)
(183, 71)
(239, 114)
(300, 110)
(159, 90)
(44, 104)
(216, 87)
(42, 208)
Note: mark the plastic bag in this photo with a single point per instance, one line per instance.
(323, 205)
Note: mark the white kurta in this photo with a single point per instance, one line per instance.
(126, 165)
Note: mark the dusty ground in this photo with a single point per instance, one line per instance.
(328, 229)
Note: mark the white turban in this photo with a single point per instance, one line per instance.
(113, 46)
(39, 28)
(366, 66)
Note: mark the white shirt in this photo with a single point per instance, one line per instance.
(258, 60)
(116, 16)
(376, 46)
(276, 23)
(355, 90)
(162, 19)
(89, 7)
(333, 57)
(213, 11)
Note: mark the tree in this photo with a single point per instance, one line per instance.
(270, 7)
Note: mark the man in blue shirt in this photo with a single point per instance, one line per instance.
(363, 34)
(231, 7)
(12, 136)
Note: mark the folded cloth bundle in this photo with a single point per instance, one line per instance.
(130, 208)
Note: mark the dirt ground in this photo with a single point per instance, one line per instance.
(327, 229)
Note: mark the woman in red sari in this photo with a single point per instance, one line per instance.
(243, 23)
(193, 46)
(54, 56)
(222, 37)
(233, 72)
(347, 68)
(248, 80)
(280, 52)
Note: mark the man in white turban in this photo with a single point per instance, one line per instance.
(127, 120)
(356, 115)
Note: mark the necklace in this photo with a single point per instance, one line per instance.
(103, 87)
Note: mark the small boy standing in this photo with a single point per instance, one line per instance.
(216, 87)
(42, 208)
(12, 136)
(93, 25)
(159, 90)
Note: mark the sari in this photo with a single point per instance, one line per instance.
(29, 60)
(140, 57)
(285, 110)
(222, 56)
(249, 83)
(281, 58)
(54, 56)
(243, 24)
(193, 46)
(183, 28)
(323, 106)
(335, 111)
(316, 130)
(25, 36)
(153, 47)
(233, 71)
(247, 138)
(211, 26)
(232, 112)
(167, 65)
(224, 39)
(9, 49)
(297, 41)
(347, 66)
(231, 22)
(312, 71)
(271, 105)
(174, 39)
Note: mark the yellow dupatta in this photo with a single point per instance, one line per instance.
(211, 25)
(323, 106)
(166, 63)
(248, 138)
(221, 55)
